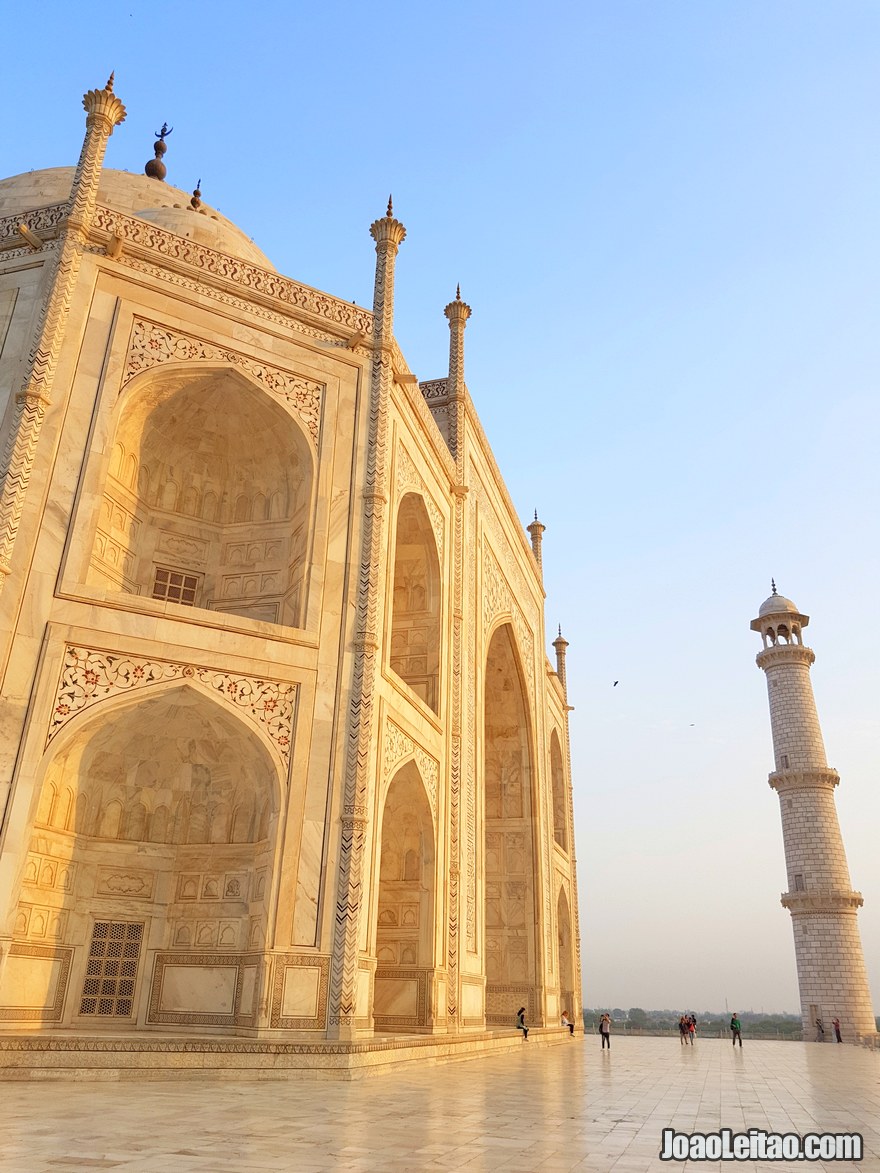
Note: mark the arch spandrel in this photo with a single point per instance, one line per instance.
(93, 679)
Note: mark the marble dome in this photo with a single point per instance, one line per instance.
(778, 605)
(135, 195)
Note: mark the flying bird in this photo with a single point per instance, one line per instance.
(615, 684)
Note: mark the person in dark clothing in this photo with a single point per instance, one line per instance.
(835, 1022)
(521, 1023)
(735, 1030)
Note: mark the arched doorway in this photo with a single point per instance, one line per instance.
(415, 620)
(510, 915)
(152, 850)
(206, 499)
(405, 920)
(557, 777)
(565, 955)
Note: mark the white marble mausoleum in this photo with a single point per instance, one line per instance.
(283, 755)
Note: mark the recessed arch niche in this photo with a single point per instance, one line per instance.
(415, 618)
(565, 953)
(510, 911)
(557, 778)
(206, 499)
(405, 929)
(162, 815)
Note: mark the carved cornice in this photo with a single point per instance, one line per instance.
(211, 265)
(151, 345)
(784, 654)
(434, 389)
(40, 220)
(821, 900)
(819, 779)
(89, 676)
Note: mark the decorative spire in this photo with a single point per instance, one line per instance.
(773, 585)
(156, 169)
(196, 202)
(560, 644)
(110, 79)
(536, 529)
(390, 211)
(458, 292)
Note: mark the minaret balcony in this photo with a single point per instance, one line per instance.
(821, 900)
(823, 778)
(785, 654)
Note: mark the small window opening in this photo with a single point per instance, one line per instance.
(173, 586)
(799, 883)
(111, 970)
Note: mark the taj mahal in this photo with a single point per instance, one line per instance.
(285, 766)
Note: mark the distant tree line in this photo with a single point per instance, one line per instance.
(710, 1024)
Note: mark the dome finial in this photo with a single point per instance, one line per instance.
(390, 211)
(458, 292)
(196, 202)
(156, 169)
(773, 585)
(110, 80)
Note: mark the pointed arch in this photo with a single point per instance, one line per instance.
(565, 954)
(557, 781)
(213, 448)
(510, 840)
(405, 914)
(415, 614)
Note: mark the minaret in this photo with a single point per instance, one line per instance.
(831, 968)
(536, 531)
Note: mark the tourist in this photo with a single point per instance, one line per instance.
(820, 1031)
(521, 1023)
(566, 1021)
(835, 1022)
(605, 1031)
(683, 1030)
(736, 1030)
(692, 1028)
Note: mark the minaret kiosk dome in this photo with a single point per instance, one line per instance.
(138, 196)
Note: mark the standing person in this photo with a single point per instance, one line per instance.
(835, 1022)
(682, 1029)
(521, 1023)
(736, 1030)
(566, 1021)
(820, 1031)
(605, 1031)
(692, 1028)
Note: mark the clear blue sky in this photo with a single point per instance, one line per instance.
(664, 217)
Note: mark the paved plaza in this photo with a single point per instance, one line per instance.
(549, 1108)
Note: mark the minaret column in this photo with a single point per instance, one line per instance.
(536, 533)
(560, 644)
(104, 111)
(458, 313)
(831, 969)
(388, 233)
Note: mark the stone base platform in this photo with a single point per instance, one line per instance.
(59, 1055)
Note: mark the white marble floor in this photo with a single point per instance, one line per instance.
(567, 1107)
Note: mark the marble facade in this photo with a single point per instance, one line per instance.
(282, 752)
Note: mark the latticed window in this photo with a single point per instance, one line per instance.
(175, 587)
(112, 969)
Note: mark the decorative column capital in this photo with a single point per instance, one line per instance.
(821, 900)
(820, 779)
(103, 105)
(457, 311)
(388, 231)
